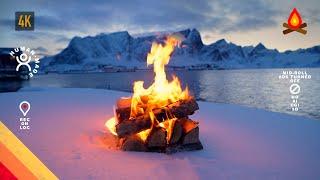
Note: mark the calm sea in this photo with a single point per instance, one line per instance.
(260, 88)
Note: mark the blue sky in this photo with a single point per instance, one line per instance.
(244, 22)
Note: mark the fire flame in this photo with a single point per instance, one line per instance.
(159, 94)
(111, 125)
(168, 125)
(294, 19)
(144, 134)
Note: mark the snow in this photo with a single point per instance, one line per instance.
(67, 134)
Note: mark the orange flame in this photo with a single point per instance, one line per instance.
(161, 92)
(168, 125)
(294, 19)
(111, 125)
(144, 134)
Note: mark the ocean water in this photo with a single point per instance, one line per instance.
(259, 88)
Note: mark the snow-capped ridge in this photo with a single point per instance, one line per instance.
(222, 42)
(122, 49)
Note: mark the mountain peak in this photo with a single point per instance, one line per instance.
(194, 33)
(115, 34)
(126, 33)
(74, 39)
(260, 46)
(261, 50)
(185, 32)
(221, 42)
(194, 37)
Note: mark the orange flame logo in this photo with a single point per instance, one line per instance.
(294, 20)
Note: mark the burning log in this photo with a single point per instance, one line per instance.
(124, 102)
(127, 126)
(181, 135)
(191, 137)
(132, 143)
(190, 131)
(177, 109)
(123, 114)
(184, 137)
(123, 108)
(176, 132)
(132, 126)
(157, 138)
(189, 140)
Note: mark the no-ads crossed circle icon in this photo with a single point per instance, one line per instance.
(295, 89)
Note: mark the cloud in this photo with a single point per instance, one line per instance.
(29, 35)
(84, 16)
(60, 19)
(41, 49)
(62, 39)
(44, 22)
(7, 22)
(37, 35)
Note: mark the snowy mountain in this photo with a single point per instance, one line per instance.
(123, 51)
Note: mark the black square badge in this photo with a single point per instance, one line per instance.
(24, 21)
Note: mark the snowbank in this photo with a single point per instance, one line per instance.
(67, 126)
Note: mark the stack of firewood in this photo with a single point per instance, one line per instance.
(182, 136)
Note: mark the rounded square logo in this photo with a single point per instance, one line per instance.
(24, 21)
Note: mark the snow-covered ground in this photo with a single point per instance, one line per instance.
(67, 134)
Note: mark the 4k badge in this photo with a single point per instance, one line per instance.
(24, 21)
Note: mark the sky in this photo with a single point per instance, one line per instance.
(243, 22)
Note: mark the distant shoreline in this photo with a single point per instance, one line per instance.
(170, 70)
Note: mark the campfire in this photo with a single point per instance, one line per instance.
(295, 23)
(156, 119)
